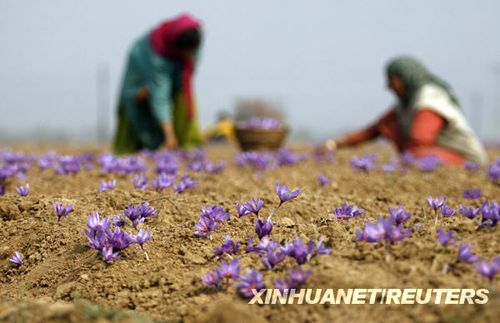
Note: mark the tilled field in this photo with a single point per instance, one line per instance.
(60, 267)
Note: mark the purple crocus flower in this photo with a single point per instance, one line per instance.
(364, 163)
(471, 166)
(230, 270)
(242, 209)
(298, 277)
(184, 184)
(470, 212)
(428, 163)
(494, 171)
(107, 186)
(254, 206)
(399, 215)
(436, 203)
(119, 239)
(490, 213)
(300, 251)
(16, 259)
(216, 168)
(253, 280)
(215, 212)
(372, 232)
(109, 255)
(263, 227)
(163, 181)
(212, 279)
(141, 237)
(383, 229)
(488, 270)
(447, 211)
(205, 227)
(284, 193)
(347, 211)
(465, 254)
(61, 210)
(261, 123)
(445, 238)
(140, 182)
(321, 249)
(96, 224)
(472, 194)
(229, 246)
(23, 190)
(323, 180)
(283, 284)
(272, 255)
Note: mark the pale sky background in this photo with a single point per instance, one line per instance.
(323, 60)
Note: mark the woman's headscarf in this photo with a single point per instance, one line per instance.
(163, 41)
(415, 75)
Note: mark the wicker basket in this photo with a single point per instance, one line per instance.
(260, 139)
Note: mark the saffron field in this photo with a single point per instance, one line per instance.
(87, 236)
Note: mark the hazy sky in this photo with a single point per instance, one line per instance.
(323, 60)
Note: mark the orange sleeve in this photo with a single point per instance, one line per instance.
(380, 127)
(425, 128)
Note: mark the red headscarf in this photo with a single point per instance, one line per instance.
(163, 39)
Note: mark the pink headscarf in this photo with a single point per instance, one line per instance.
(163, 40)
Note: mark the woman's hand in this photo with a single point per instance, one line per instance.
(170, 138)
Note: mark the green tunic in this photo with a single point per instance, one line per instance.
(139, 124)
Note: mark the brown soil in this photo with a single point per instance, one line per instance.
(59, 267)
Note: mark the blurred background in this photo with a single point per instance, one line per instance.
(322, 62)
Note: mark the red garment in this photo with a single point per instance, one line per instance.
(163, 38)
(425, 128)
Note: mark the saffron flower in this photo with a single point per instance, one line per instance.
(285, 194)
(399, 215)
(184, 184)
(61, 210)
(107, 186)
(323, 180)
(298, 277)
(230, 270)
(436, 203)
(255, 206)
(205, 227)
(347, 211)
(465, 254)
(16, 259)
(428, 163)
(96, 224)
(470, 212)
(488, 270)
(215, 212)
(283, 285)
(212, 279)
(272, 255)
(163, 181)
(23, 190)
(138, 214)
(263, 227)
(447, 211)
(109, 255)
(229, 247)
(494, 171)
(490, 213)
(300, 251)
(141, 238)
(261, 123)
(471, 166)
(445, 238)
(364, 163)
(242, 209)
(472, 194)
(253, 280)
(383, 229)
(140, 182)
